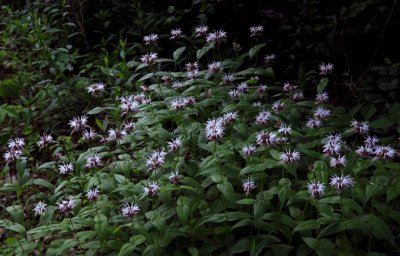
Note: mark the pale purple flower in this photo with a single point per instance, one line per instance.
(257, 104)
(130, 210)
(359, 126)
(156, 159)
(298, 95)
(216, 36)
(149, 58)
(150, 39)
(129, 126)
(230, 117)
(315, 188)
(215, 66)
(174, 144)
(337, 161)
(228, 78)
(129, 105)
(215, 129)
(114, 134)
(322, 97)
(152, 189)
(322, 113)
(65, 168)
(93, 161)
(178, 103)
(256, 30)
(285, 129)
(333, 144)
(264, 138)
(289, 157)
(248, 185)
(242, 87)
(248, 150)
(201, 30)
(176, 33)
(89, 134)
(92, 194)
(262, 89)
(174, 178)
(45, 140)
(365, 151)
(371, 141)
(192, 66)
(385, 152)
(277, 106)
(263, 117)
(167, 79)
(96, 89)
(40, 208)
(12, 154)
(269, 58)
(141, 98)
(341, 182)
(78, 123)
(17, 143)
(287, 87)
(325, 69)
(66, 206)
(192, 74)
(313, 123)
(177, 84)
(234, 94)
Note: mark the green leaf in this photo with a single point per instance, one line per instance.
(381, 230)
(16, 227)
(306, 225)
(227, 190)
(371, 190)
(193, 251)
(254, 50)
(394, 190)
(201, 52)
(43, 183)
(275, 154)
(368, 111)
(381, 123)
(178, 52)
(322, 84)
(333, 228)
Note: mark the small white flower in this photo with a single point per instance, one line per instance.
(17, 143)
(78, 123)
(385, 152)
(313, 123)
(176, 33)
(264, 138)
(12, 154)
(96, 89)
(174, 178)
(130, 210)
(129, 126)
(342, 182)
(269, 58)
(201, 31)
(216, 36)
(45, 140)
(215, 66)
(249, 150)
(215, 129)
(114, 135)
(93, 161)
(333, 144)
(287, 87)
(325, 69)
(40, 208)
(322, 113)
(371, 141)
(298, 95)
(152, 189)
(174, 145)
(289, 157)
(322, 97)
(256, 30)
(263, 117)
(228, 78)
(242, 87)
(285, 129)
(65, 168)
(93, 194)
(129, 105)
(360, 127)
(66, 206)
(338, 161)
(230, 118)
(234, 94)
(150, 39)
(248, 185)
(149, 58)
(89, 134)
(156, 159)
(315, 188)
(365, 151)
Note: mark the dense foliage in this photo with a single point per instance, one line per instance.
(132, 128)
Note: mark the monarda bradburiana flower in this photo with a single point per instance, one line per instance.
(315, 188)
(248, 185)
(130, 210)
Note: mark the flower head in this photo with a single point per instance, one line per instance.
(359, 126)
(156, 159)
(149, 58)
(152, 189)
(341, 182)
(93, 161)
(337, 161)
(269, 58)
(256, 30)
(175, 178)
(322, 97)
(65, 168)
(248, 185)
(114, 134)
(325, 69)
(17, 143)
(385, 152)
(215, 129)
(315, 188)
(40, 208)
(176, 33)
(215, 66)
(92, 194)
(150, 39)
(263, 117)
(265, 138)
(216, 36)
(228, 78)
(96, 89)
(285, 129)
(89, 134)
(78, 123)
(201, 30)
(174, 145)
(248, 150)
(130, 210)
(289, 157)
(66, 206)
